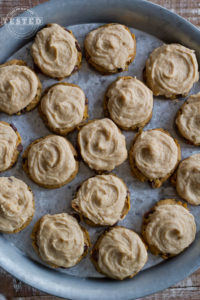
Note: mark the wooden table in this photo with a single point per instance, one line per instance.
(187, 289)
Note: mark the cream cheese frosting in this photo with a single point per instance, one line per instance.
(121, 253)
(16, 204)
(171, 70)
(63, 106)
(188, 179)
(171, 228)
(54, 51)
(130, 102)
(188, 120)
(102, 145)
(60, 240)
(8, 144)
(18, 88)
(101, 199)
(155, 154)
(51, 160)
(110, 46)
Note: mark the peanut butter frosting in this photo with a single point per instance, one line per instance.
(60, 240)
(110, 46)
(171, 70)
(8, 145)
(18, 87)
(155, 154)
(51, 160)
(130, 102)
(101, 199)
(188, 179)
(54, 51)
(63, 106)
(171, 228)
(102, 145)
(188, 119)
(121, 253)
(16, 204)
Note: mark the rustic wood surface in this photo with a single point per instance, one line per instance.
(188, 289)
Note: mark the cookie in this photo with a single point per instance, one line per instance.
(51, 161)
(63, 107)
(129, 103)
(171, 70)
(102, 200)
(20, 88)
(59, 240)
(154, 156)
(119, 253)
(56, 51)
(110, 48)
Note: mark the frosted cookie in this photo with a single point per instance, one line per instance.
(16, 205)
(119, 253)
(102, 145)
(50, 161)
(56, 51)
(188, 119)
(187, 179)
(110, 48)
(168, 228)
(171, 70)
(10, 145)
(63, 107)
(129, 103)
(59, 240)
(154, 156)
(20, 88)
(102, 200)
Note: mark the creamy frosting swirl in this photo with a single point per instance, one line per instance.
(121, 253)
(101, 199)
(110, 46)
(188, 120)
(16, 204)
(51, 160)
(155, 153)
(172, 70)
(8, 145)
(188, 179)
(63, 106)
(18, 87)
(102, 145)
(54, 51)
(60, 240)
(171, 228)
(130, 102)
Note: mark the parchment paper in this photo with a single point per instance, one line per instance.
(143, 197)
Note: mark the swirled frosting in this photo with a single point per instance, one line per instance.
(171, 70)
(63, 106)
(110, 46)
(188, 179)
(54, 51)
(101, 199)
(121, 253)
(188, 121)
(51, 160)
(18, 87)
(16, 204)
(130, 102)
(8, 144)
(171, 228)
(155, 153)
(60, 240)
(102, 145)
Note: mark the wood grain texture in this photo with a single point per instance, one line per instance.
(188, 289)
